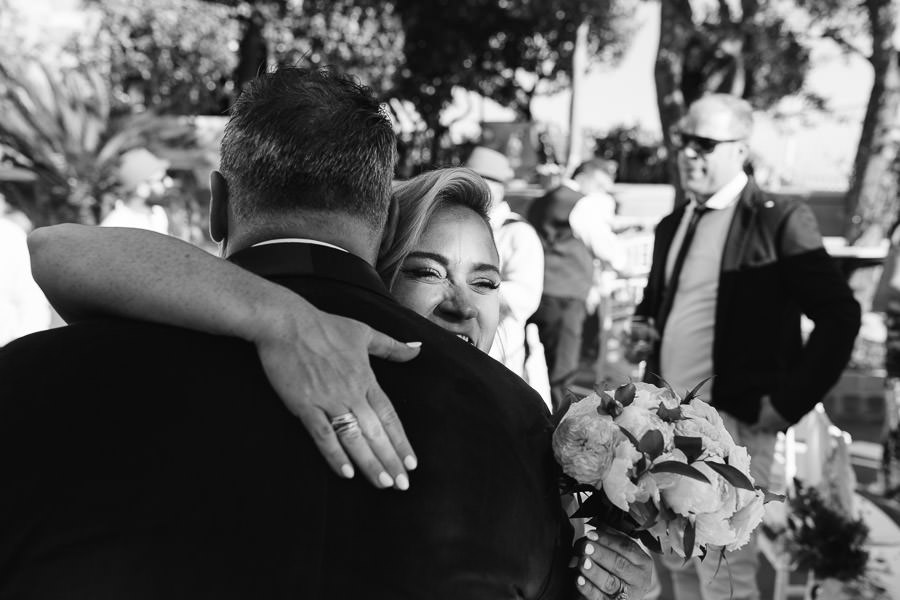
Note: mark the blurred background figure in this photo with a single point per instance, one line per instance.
(573, 222)
(142, 183)
(23, 307)
(887, 301)
(521, 273)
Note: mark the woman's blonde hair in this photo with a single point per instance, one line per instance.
(413, 203)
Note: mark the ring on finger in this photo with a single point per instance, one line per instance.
(622, 593)
(345, 423)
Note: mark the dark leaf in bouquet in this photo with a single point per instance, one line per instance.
(669, 415)
(691, 446)
(650, 541)
(597, 504)
(695, 393)
(665, 513)
(641, 465)
(644, 514)
(630, 437)
(652, 444)
(703, 554)
(609, 406)
(690, 534)
(679, 468)
(731, 475)
(625, 394)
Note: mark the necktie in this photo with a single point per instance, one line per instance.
(672, 288)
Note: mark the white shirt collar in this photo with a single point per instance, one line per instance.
(729, 193)
(499, 213)
(298, 241)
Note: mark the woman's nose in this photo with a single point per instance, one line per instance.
(458, 304)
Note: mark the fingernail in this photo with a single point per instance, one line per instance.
(347, 471)
(401, 482)
(581, 580)
(588, 549)
(410, 462)
(414, 344)
(592, 535)
(385, 479)
(587, 564)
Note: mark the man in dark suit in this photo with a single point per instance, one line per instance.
(144, 461)
(733, 271)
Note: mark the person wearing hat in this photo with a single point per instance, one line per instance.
(141, 176)
(573, 222)
(521, 271)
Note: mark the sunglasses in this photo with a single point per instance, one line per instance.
(697, 143)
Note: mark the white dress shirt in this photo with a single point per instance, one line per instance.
(521, 284)
(687, 343)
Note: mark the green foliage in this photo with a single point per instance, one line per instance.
(174, 56)
(362, 38)
(58, 124)
(824, 540)
(502, 49)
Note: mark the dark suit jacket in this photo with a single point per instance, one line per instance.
(774, 269)
(143, 461)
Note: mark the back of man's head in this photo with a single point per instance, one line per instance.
(308, 140)
(595, 175)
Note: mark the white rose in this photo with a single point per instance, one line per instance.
(617, 483)
(639, 420)
(749, 515)
(650, 396)
(703, 421)
(689, 496)
(585, 442)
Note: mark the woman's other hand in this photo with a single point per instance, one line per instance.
(610, 563)
(320, 369)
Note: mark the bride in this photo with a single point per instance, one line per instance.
(438, 258)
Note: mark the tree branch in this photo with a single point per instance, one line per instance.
(836, 36)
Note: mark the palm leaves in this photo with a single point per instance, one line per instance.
(58, 124)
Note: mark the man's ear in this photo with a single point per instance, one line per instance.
(218, 207)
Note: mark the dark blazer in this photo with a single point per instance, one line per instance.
(774, 269)
(142, 461)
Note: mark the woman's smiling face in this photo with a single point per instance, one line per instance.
(452, 276)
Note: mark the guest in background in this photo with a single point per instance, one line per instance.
(733, 271)
(572, 221)
(23, 307)
(142, 179)
(521, 270)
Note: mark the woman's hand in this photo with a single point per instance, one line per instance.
(320, 369)
(611, 563)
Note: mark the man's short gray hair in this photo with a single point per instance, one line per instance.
(740, 110)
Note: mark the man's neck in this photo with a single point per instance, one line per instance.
(349, 234)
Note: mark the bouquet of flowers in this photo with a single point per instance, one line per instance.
(659, 468)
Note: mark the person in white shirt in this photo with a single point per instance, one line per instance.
(23, 307)
(572, 221)
(521, 272)
(141, 177)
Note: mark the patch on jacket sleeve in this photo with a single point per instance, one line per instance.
(800, 232)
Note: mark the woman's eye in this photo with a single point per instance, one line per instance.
(487, 284)
(422, 273)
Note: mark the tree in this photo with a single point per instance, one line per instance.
(747, 49)
(174, 56)
(506, 50)
(871, 199)
(58, 124)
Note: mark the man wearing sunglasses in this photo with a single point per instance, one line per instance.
(733, 270)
